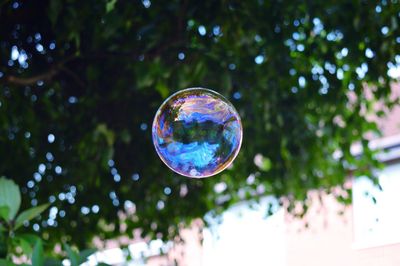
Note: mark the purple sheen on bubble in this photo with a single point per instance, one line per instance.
(197, 132)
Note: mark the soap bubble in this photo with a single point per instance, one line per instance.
(197, 132)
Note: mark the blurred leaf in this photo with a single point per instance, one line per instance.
(72, 255)
(3, 245)
(25, 245)
(30, 238)
(102, 130)
(4, 212)
(29, 214)
(54, 11)
(266, 165)
(10, 196)
(226, 82)
(37, 255)
(110, 5)
(4, 262)
(145, 80)
(52, 262)
(162, 89)
(83, 255)
(125, 136)
(199, 71)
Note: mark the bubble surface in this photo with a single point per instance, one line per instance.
(197, 132)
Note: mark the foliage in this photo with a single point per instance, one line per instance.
(13, 243)
(10, 201)
(81, 81)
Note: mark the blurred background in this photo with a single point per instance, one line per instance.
(316, 86)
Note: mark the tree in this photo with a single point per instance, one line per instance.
(82, 80)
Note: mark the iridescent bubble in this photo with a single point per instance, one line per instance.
(197, 132)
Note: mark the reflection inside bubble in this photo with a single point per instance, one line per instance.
(197, 132)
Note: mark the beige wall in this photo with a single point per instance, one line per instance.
(188, 254)
(329, 240)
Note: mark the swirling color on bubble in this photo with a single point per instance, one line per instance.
(197, 132)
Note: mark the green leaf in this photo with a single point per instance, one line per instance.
(199, 71)
(4, 212)
(83, 255)
(102, 131)
(29, 214)
(110, 5)
(52, 262)
(31, 238)
(72, 255)
(10, 196)
(54, 10)
(3, 246)
(226, 81)
(24, 245)
(75, 37)
(263, 163)
(144, 79)
(4, 262)
(162, 89)
(266, 165)
(37, 256)
(26, 242)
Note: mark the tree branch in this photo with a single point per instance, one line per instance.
(60, 67)
(45, 76)
(48, 75)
